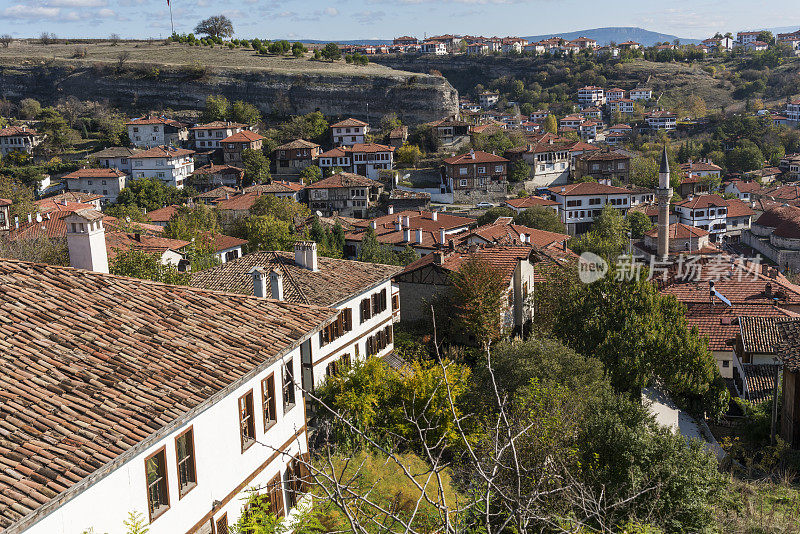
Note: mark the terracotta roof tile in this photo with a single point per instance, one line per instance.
(759, 334)
(737, 208)
(504, 259)
(718, 323)
(703, 201)
(335, 281)
(529, 202)
(162, 152)
(94, 173)
(245, 136)
(16, 131)
(297, 143)
(218, 125)
(760, 381)
(680, 231)
(343, 179)
(76, 342)
(163, 214)
(588, 188)
(475, 157)
(349, 123)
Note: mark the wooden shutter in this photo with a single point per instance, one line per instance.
(276, 496)
(305, 472)
(348, 319)
(222, 524)
(390, 333)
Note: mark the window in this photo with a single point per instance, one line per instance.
(247, 427)
(462, 171)
(481, 170)
(268, 401)
(593, 201)
(288, 386)
(155, 467)
(726, 363)
(297, 479)
(395, 302)
(274, 495)
(222, 524)
(498, 168)
(378, 302)
(573, 203)
(184, 452)
(366, 310)
(463, 183)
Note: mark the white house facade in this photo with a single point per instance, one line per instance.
(170, 165)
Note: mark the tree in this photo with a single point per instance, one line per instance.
(122, 58)
(639, 223)
(331, 52)
(283, 209)
(218, 26)
(137, 263)
(189, 223)
(644, 171)
(491, 215)
(244, 112)
(478, 292)
(519, 171)
(608, 237)
(217, 108)
(551, 124)
(6, 40)
(52, 251)
(299, 49)
(21, 198)
(765, 36)
(746, 156)
(311, 174)
(256, 166)
(29, 108)
(371, 251)
(541, 218)
(150, 194)
(265, 232)
(407, 155)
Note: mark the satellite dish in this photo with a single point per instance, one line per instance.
(318, 213)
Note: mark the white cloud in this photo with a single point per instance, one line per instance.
(331, 11)
(77, 3)
(106, 13)
(20, 11)
(365, 17)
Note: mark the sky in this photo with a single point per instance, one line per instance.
(385, 19)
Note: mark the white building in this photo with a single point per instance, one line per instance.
(367, 159)
(580, 203)
(363, 294)
(115, 157)
(170, 165)
(19, 139)
(181, 447)
(106, 182)
(615, 94)
(747, 37)
(156, 131)
(709, 212)
(349, 132)
(640, 93)
(661, 120)
(434, 47)
(755, 46)
(488, 99)
(591, 96)
(209, 136)
(623, 105)
(793, 110)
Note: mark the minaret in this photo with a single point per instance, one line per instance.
(664, 194)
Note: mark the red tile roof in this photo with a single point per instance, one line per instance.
(93, 365)
(239, 202)
(529, 202)
(218, 125)
(16, 131)
(680, 231)
(475, 157)
(163, 214)
(119, 242)
(746, 187)
(504, 259)
(348, 123)
(212, 168)
(343, 179)
(703, 201)
(587, 188)
(718, 323)
(504, 232)
(154, 120)
(245, 136)
(297, 143)
(94, 173)
(737, 208)
(385, 231)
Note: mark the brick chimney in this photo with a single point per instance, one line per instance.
(305, 255)
(259, 275)
(276, 284)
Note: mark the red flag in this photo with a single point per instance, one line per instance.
(167, 2)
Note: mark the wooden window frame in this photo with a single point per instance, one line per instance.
(250, 442)
(181, 493)
(269, 406)
(288, 385)
(151, 516)
(223, 517)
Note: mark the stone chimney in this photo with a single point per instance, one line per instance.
(418, 238)
(373, 225)
(398, 226)
(305, 255)
(391, 209)
(435, 215)
(86, 240)
(259, 275)
(276, 284)
(406, 221)
(442, 235)
(407, 235)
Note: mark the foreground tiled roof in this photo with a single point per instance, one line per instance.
(163, 152)
(245, 136)
(759, 334)
(679, 231)
(335, 281)
(760, 381)
(789, 346)
(94, 173)
(93, 364)
(475, 157)
(719, 322)
(163, 214)
(504, 259)
(348, 123)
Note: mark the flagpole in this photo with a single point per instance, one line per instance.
(170, 17)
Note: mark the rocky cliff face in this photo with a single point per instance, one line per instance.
(415, 98)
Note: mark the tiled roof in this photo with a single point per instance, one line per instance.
(718, 323)
(119, 242)
(398, 133)
(783, 192)
(115, 152)
(680, 231)
(777, 215)
(335, 281)
(746, 187)
(275, 187)
(50, 227)
(92, 365)
(369, 148)
(475, 157)
(698, 166)
(94, 173)
(217, 192)
(239, 202)
(504, 259)
(163, 152)
(71, 197)
(297, 143)
(348, 123)
(703, 201)
(737, 208)
(15, 131)
(224, 242)
(529, 202)
(343, 179)
(504, 232)
(334, 153)
(402, 194)
(154, 120)
(385, 230)
(218, 125)
(789, 346)
(611, 155)
(759, 334)
(5, 202)
(587, 188)
(760, 381)
(245, 136)
(212, 168)
(163, 214)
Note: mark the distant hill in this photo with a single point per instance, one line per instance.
(603, 36)
(373, 42)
